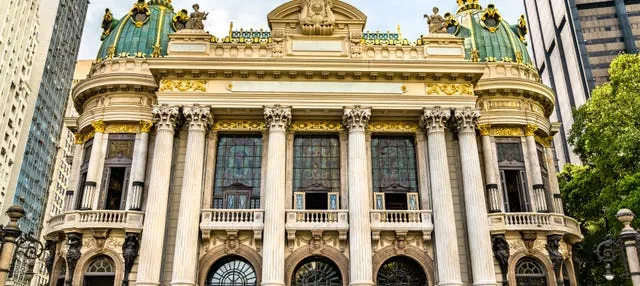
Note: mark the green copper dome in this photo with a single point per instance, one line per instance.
(487, 36)
(143, 32)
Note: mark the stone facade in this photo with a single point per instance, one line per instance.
(312, 152)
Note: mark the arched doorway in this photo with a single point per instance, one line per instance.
(232, 271)
(530, 272)
(316, 271)
(100, 272)
(401, 271)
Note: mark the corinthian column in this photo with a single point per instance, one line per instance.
(140, 165)
(495, 198)
(356, 120)
(278, 119)
(89, 192)
(152, 242)
(534, 165)
(476, 211)
(447, 259)
(70, 199)
(185, 259)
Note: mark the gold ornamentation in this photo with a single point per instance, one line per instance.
(179, 21)
(82, 137)
(522, 29)
(530, 130)
(140, 13)
(98, 126)
(544, 141)
(145, 126)
(252, 125)
(111, 53)
(122, 128)
(449, 89)
(183, 85)
(394, 126)
(507, 132)
(316, 125)
(475, 56)
(519, 57)
(491, 18)
(107, 20)
(157, 50)
(79, 138)
(485, 129)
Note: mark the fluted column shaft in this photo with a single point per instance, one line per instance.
(140, 165)
(496, 204)
(185, 259)
(555, 189)
(278, 119)
(72, 187)
(360, 256)
(446, 244)
(534, 165)
(89, 192)
(475, 206)
(152, 242)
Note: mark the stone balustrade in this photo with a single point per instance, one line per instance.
(232, 219)
(550, 222)
(401, 221)
(129, 221)
(317, 222)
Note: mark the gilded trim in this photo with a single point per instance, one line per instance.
(157, 49)
(183, 85)
(123, 128)
(316, 125)
(99, 126)
(530, 129)
(449, 89)
(513, 44)
(507, 132)
(544, 141)
(112, 50)
(145, 126)
(238, 125)
(485, 129)
(394, 126)
(82, 137)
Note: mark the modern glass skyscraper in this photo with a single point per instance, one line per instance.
(41, 149)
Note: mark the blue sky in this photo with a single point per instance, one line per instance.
(382, 15)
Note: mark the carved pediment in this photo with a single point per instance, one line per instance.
(316, 17)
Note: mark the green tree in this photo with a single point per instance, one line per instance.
(606, 136)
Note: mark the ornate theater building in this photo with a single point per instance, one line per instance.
(312, 154)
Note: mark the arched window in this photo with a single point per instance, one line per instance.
(100, 272)
(401, 271)
(316, 271)
(530, 272)
(232, 271)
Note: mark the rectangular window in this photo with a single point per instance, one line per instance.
(316, 171)
(238, 172)
(394, 173)
(513, 176)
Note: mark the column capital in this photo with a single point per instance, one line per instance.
(466, 119)
(277, 117)
(485, 129)
(165, 117)
(530, 129)
(435, 119)
(356, 118)
(198, 118)
(145, 126)
(99, 126)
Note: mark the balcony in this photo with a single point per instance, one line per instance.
(401, 222)
(129, 221)
(232, 221)
(317, 222)
(547, 222)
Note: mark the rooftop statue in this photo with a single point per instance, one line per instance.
(437, 23)
(196, 20)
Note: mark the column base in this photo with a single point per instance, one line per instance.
(485, 283)
(361, 283)
(450, 283)
(272, 283)
(183, 283)
(147, 283)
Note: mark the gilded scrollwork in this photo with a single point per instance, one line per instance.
(145, 126)
(530, 129)
(316, 125)
(99, 126)
(507, 132)
(122, 128)
(450, 89)
(183, 85)
(394, 126)
(239, 125)
(485, 129)
(544, 141)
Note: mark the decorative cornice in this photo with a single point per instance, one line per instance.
(394, 126)
(530, 129)
(165, 117)
(435, 119)
(466, 120)
(316, 125)
(507, 132)
(450, 89)
(122, 128)
(99, 126)
(198, 118)
(183, 85)
(356, 118)
(277, 117)
(145, 126)
(238, 125)
(485, 129)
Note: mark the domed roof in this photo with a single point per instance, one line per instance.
(143, 32)
(488, 37)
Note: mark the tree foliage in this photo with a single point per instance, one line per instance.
(606, 136)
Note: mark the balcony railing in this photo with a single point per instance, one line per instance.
(401, 221)
(232, 219)
(130, 221)
(317, 220)
(502, 222)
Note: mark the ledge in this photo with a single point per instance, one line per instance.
(129, 221)
(500, 223)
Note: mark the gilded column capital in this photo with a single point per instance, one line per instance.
(277, 117)
(530, 129)
(145, 126)
(165, 117)
(485, 129)
(356, 118)
(435, 119)
(99, 126)
(198, 118)
(466, 119)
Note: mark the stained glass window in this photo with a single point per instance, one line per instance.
(401, 271)
(509, 153)
(316, 271)
(238, 172)
(232, 271)
(393, 164)
(102, 264)
(530, 272)
(316, 163)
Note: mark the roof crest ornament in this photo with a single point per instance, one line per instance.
(464, 5)
(316, 17)
(107, 24)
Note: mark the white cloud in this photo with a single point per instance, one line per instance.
(382, 15)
